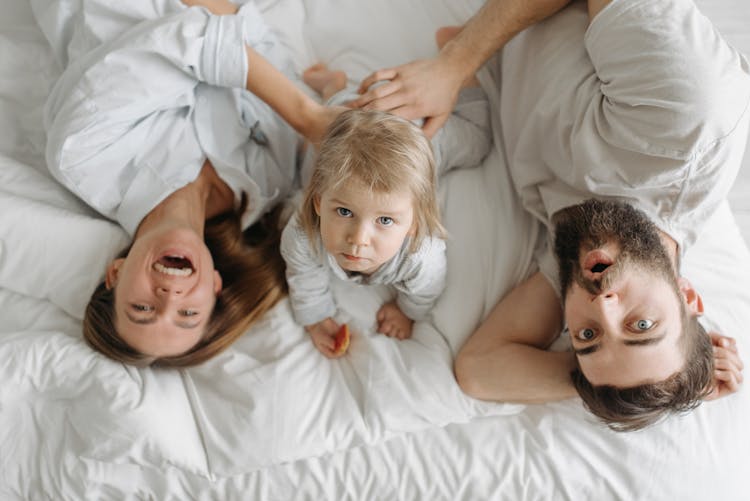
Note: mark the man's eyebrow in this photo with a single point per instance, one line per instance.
(644, 342)
(140, 321)
(628, 342)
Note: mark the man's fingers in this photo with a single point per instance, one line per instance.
(728, 379)
(718, 339)
(376, 76)
(731, 357)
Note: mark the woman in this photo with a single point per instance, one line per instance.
(157, 123)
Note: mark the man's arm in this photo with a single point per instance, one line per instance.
(429, 88)
(506, 358)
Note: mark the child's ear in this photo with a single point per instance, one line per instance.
(316, 204)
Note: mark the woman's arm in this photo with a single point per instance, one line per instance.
(506, 359)
(299, 110)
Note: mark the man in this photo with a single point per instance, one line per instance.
(642, 106)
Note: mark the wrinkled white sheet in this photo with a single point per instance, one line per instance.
(271, 419)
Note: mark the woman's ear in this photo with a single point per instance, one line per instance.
(693, 300)
(113, 270)
(217, 283)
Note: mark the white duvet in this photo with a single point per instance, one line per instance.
(271, 418)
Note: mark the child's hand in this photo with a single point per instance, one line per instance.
(727, 366)
(323, 336)
(393, 323)
(217, 7)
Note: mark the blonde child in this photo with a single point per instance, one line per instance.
(370, 213)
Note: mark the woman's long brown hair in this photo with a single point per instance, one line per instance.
(252, 272)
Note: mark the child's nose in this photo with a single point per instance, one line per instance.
(358, 235)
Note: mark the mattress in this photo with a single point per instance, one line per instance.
(272, 419)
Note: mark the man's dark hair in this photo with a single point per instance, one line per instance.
(629, 409)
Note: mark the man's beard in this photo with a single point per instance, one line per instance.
(592, 224)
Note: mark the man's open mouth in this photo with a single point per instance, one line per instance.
(599, 267)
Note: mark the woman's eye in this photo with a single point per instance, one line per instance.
(343, 211)
(141, 307)
(644, 324)
(385, 220)
(586, 334)
(188, 313)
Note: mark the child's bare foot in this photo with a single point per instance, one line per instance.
(446, 34)
(324, 81)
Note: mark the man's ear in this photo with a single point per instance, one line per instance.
(693, 301)
(217, 283)
(113, 270)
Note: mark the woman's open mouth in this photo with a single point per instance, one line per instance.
(174, 265)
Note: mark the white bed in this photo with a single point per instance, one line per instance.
(271, 418)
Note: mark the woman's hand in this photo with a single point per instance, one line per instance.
(727, 366)
(319, 119)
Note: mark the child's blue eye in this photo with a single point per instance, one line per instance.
(385, 220)
(343, 211)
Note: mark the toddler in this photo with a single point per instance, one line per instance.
(370, 213)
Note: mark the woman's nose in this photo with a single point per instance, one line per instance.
(166, 290)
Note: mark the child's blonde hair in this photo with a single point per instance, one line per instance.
(383, 152)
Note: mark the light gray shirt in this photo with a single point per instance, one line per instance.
(149, 94)
(418, 277)
(647, 105)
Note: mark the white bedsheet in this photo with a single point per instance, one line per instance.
(270, 418)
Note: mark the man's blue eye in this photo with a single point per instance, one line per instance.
(385, 220)
(644, 324)
(343, 211)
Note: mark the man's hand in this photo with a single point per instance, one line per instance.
(727, 366)
(323, 336)
(393, 323)
(426, 89)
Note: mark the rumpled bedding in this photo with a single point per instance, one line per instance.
(271, 418)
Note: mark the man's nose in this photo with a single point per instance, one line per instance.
(607, 308)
